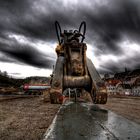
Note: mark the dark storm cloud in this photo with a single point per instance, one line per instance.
(24, 54)
(4, 58)
(23, 18)
(107, 23)
(123, 18)
(112, 66)
(11, 13)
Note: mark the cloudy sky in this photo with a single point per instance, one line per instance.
(28, 38)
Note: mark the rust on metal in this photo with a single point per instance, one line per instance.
(76, 82)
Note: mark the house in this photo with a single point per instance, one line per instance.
(111, 85)
(136, 87)
(133, 80)
(124, 83)
(123, 89)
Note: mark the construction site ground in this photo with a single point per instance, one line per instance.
(126, 106)
(29, 118)
(25, 118)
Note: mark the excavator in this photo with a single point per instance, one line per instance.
(73, 70)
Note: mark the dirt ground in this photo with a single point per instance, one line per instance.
(25, 119)
(128, 107)
(29, 118)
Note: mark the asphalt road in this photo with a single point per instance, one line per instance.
(85, 121)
